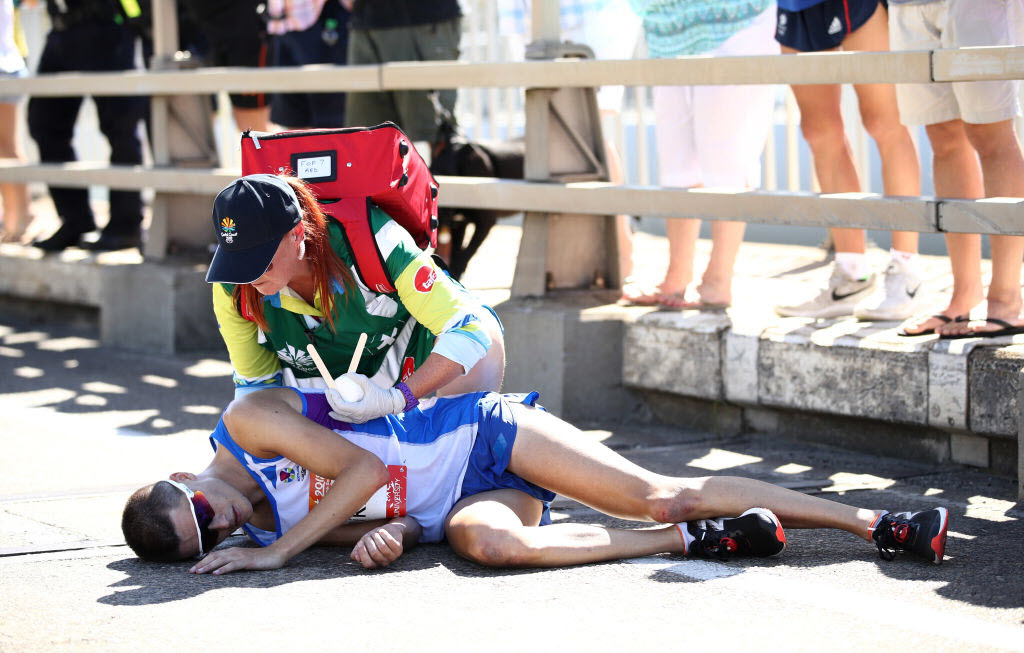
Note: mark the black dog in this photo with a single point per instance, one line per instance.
(454, 155)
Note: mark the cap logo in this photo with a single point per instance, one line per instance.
(227, 230)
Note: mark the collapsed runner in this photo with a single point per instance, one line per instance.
(477, 469)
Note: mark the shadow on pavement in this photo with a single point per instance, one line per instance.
(65, 369)
(155, 583)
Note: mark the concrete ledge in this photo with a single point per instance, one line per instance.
(1020, 436)
(677, 353)
(27, 273)
(158, 307)
(846, 369)
(993, 386)
(956, 400)
(162, 307)
(569, 349)
(848, 383)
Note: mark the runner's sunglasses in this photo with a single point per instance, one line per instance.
(202, 515)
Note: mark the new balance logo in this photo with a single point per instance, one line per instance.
(836, 26)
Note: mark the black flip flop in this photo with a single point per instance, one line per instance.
(927, 332)
(1006, 330)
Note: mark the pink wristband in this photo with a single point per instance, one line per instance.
(410, 399)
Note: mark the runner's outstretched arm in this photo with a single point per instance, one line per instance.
(269, 424)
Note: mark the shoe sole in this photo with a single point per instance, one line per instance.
(938, 542)
(893, 316)
(826, 315)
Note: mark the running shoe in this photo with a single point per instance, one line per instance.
(839, 298)
(923, 533)
(900, 299)
(757, 532)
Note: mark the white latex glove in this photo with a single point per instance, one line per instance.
(376, 401)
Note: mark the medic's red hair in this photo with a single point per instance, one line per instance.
(327, 265)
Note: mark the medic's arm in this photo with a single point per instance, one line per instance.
(255, 367)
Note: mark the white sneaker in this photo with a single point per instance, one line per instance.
(900, 299)
(839, 298)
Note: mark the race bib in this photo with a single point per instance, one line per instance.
(387, 502)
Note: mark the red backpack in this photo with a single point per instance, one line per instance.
(347, 169)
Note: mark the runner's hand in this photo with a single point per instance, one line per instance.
(224, 561)
(380, 547)
(376, 402)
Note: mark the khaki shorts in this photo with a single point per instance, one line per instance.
(955, 24)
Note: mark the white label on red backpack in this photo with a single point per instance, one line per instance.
(313, 167)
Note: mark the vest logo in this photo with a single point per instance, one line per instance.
(287, 475)
(424, 279)
(296, 358)
(227, 230)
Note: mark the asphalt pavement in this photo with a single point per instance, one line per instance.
(83, 425)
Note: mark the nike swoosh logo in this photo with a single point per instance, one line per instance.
(836, 297)
(914, 291)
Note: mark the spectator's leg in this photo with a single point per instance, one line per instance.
(250, 110)
(732, 124)
(674, 114)
(901, 170)
(328, 109)
(51, 123)
(1002, 165)
(369, 108)
(435, 42)
(821, 122)
(956, 173)
(682, 237)
(15, 196)
(119, 121)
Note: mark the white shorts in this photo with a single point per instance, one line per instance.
(955, 24)
(714, 135)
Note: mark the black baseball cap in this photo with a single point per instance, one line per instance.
(250, 217)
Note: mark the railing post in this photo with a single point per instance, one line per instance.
(563, 143)
(181, 136)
